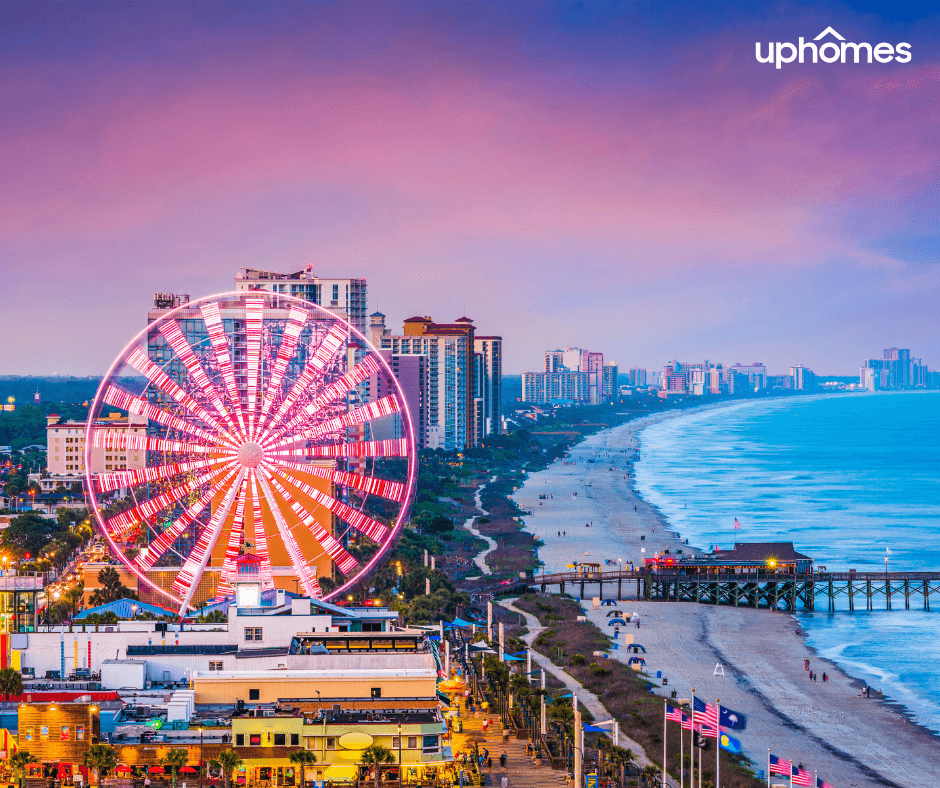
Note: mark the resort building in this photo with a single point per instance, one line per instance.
(65, 446)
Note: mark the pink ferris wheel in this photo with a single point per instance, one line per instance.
(249, 422)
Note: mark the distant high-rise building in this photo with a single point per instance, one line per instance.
(489, 350)
(344, 297)
(610, 386)
(557, 387)
(554, 361)
(803, 378)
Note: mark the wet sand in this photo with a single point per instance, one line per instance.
(828, 727)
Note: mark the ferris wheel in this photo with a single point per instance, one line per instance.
(249, 422)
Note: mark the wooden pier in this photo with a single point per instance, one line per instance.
(769, 590)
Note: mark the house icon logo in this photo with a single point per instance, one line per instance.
(831, 48)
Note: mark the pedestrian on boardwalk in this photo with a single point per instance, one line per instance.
(502, 760)
(504, 782)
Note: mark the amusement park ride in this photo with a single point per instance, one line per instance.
(274, 427)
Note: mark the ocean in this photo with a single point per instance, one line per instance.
(851, 480)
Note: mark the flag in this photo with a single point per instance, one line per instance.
(780, 766)
(673, 714)
(800, 776)
(706, 713)
(736, 524)
(728, 718)
(729, 743)
(821, 783)
(708, 731)
(686, 723)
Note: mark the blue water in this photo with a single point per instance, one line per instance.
(849, 480)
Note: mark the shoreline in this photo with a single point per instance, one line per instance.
(804, 721)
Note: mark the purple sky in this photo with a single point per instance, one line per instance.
(624, 177)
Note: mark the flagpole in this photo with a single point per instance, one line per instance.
(768, 762)
(665, 724)
(692, 743)
(718, 747)
(681, 751)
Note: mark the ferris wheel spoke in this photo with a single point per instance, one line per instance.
(113, 480)
(172, 333)
(375, 530)
(308, 582)
(160, 380)
(392, 447)
(392, 491)
(326, 540)
(119, 398)
(188, 577)
(335, 338)
(108, 439)
(331, 394)
(212, 317)
(254, 330)
(165, 540)
(235, 536)
(296, 319)
(121, 523)
(261, 538)
(386, 406)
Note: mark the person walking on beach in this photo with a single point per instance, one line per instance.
(825, 678)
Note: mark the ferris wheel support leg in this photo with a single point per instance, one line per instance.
(203, 559)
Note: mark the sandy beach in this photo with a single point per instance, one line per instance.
(826, 726)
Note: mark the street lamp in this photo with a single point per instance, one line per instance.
(134, 618)
(200, 756)
(400, 768)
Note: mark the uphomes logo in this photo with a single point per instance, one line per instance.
(838, 51)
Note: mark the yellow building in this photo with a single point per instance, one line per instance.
(337, 739)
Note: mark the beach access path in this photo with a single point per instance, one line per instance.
(480, 558)
(852, 742)
(585, 697)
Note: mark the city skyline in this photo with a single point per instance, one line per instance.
(626, 177)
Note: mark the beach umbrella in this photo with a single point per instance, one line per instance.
(155, 770)
(122, 767)
(188, 770)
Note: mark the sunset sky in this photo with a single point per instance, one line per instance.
(619, 176)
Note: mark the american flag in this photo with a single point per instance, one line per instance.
(821, 783)
(780, 766)
(736, 524)
(686, 723)
(673, 714)
(800, 777)
(706, 713)
(705, 730)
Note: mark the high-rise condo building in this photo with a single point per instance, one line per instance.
(346, 298)
(463, 378)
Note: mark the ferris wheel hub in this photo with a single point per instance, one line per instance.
(250, 454)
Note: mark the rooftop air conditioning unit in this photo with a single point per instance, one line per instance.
(268, 713)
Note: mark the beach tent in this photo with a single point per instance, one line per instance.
(614, 613)
(618, 622)
(636, 661)
(609, 602)
(636, 648)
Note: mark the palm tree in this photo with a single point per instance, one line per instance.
(101, 758)
(304, 759)
(176, 759)
(621, 756)
(18, 763)
(228, 762)
(376, 755)
(651, 774)
(11, 682)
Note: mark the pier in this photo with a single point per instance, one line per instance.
(769, 590)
